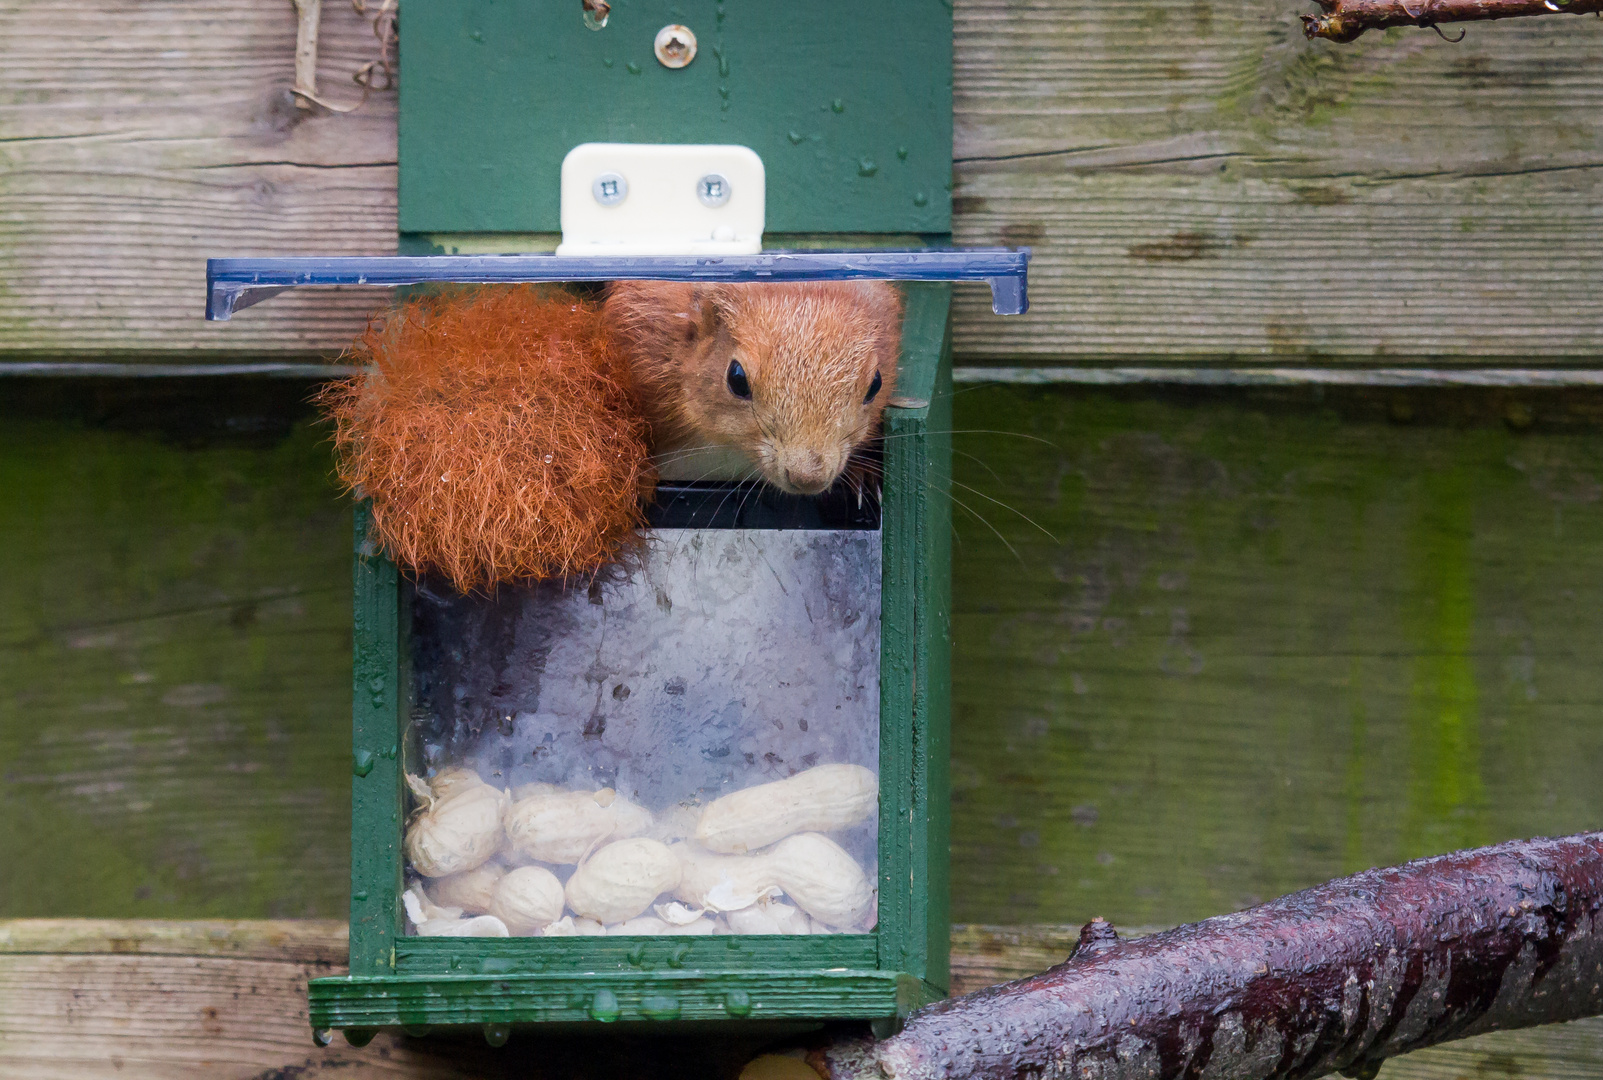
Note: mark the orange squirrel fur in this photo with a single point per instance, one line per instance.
(819, 358)
(496, 432)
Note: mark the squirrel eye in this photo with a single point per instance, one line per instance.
(873, 388)
(738, 384)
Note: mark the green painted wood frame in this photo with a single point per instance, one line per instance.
(419, 983)
(849, 105)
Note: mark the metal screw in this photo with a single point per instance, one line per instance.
(675, 46)
(712, 189)
(610, 189)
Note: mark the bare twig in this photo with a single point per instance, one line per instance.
(1345, 20)
(309, 14)
(1339, 977)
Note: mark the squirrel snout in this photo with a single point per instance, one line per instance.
(805, 472)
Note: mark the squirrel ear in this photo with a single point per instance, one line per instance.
(707, 306)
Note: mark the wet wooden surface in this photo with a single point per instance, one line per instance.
(85, 999)
(1273, 639)
(175, 627)
(139, 138)
(1269, 641)
(1199, 183)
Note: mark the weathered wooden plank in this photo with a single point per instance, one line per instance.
(138, 138)
(174, 658)
(319, 942)
(1214, 269)
(174, 651)
(1270, 640)
(143, 999)
(180, 1017)
(1200, 182)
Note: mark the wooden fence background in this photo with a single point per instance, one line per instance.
(1200, 183)
(1211, 644)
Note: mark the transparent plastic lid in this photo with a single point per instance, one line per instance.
(232, 284)
(690, 746)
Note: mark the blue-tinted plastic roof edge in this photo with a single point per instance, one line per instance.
(232, 284)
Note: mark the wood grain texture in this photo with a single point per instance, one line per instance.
(174, 668)
(137, 138)
(1224, 645)
(145, 1000)
(1199, 182)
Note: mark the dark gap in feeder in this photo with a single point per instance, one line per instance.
(755, 505)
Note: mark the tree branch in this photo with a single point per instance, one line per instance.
(1338, 977)
(1345, 20)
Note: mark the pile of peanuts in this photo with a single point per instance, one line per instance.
(756, 861)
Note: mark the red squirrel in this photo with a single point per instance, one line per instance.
(794, 377)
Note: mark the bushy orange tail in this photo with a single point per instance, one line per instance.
(496, 435)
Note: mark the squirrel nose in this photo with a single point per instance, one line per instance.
(807, 472)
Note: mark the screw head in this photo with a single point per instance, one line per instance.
(675, 46)
(610, 189)
(713, 189)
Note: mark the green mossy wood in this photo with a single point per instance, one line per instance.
(1307, 548)
(1306, 543)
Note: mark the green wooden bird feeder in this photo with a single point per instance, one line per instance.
(764, 694)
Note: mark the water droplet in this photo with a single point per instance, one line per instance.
(634, 68)
(604, 1006)
(359, 896)
(478, 36)
(920, 199)
(838, 105)
(866, 167)
(607, 61)
(659, 1007)
(594, 22)
(795, 137)
(322, 1036)
(497, 1034)
(359, 1037)
(901, 153)
(362, 762)
(417, 1031)
(737, 1003)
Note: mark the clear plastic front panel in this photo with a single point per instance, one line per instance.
(687, 747)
